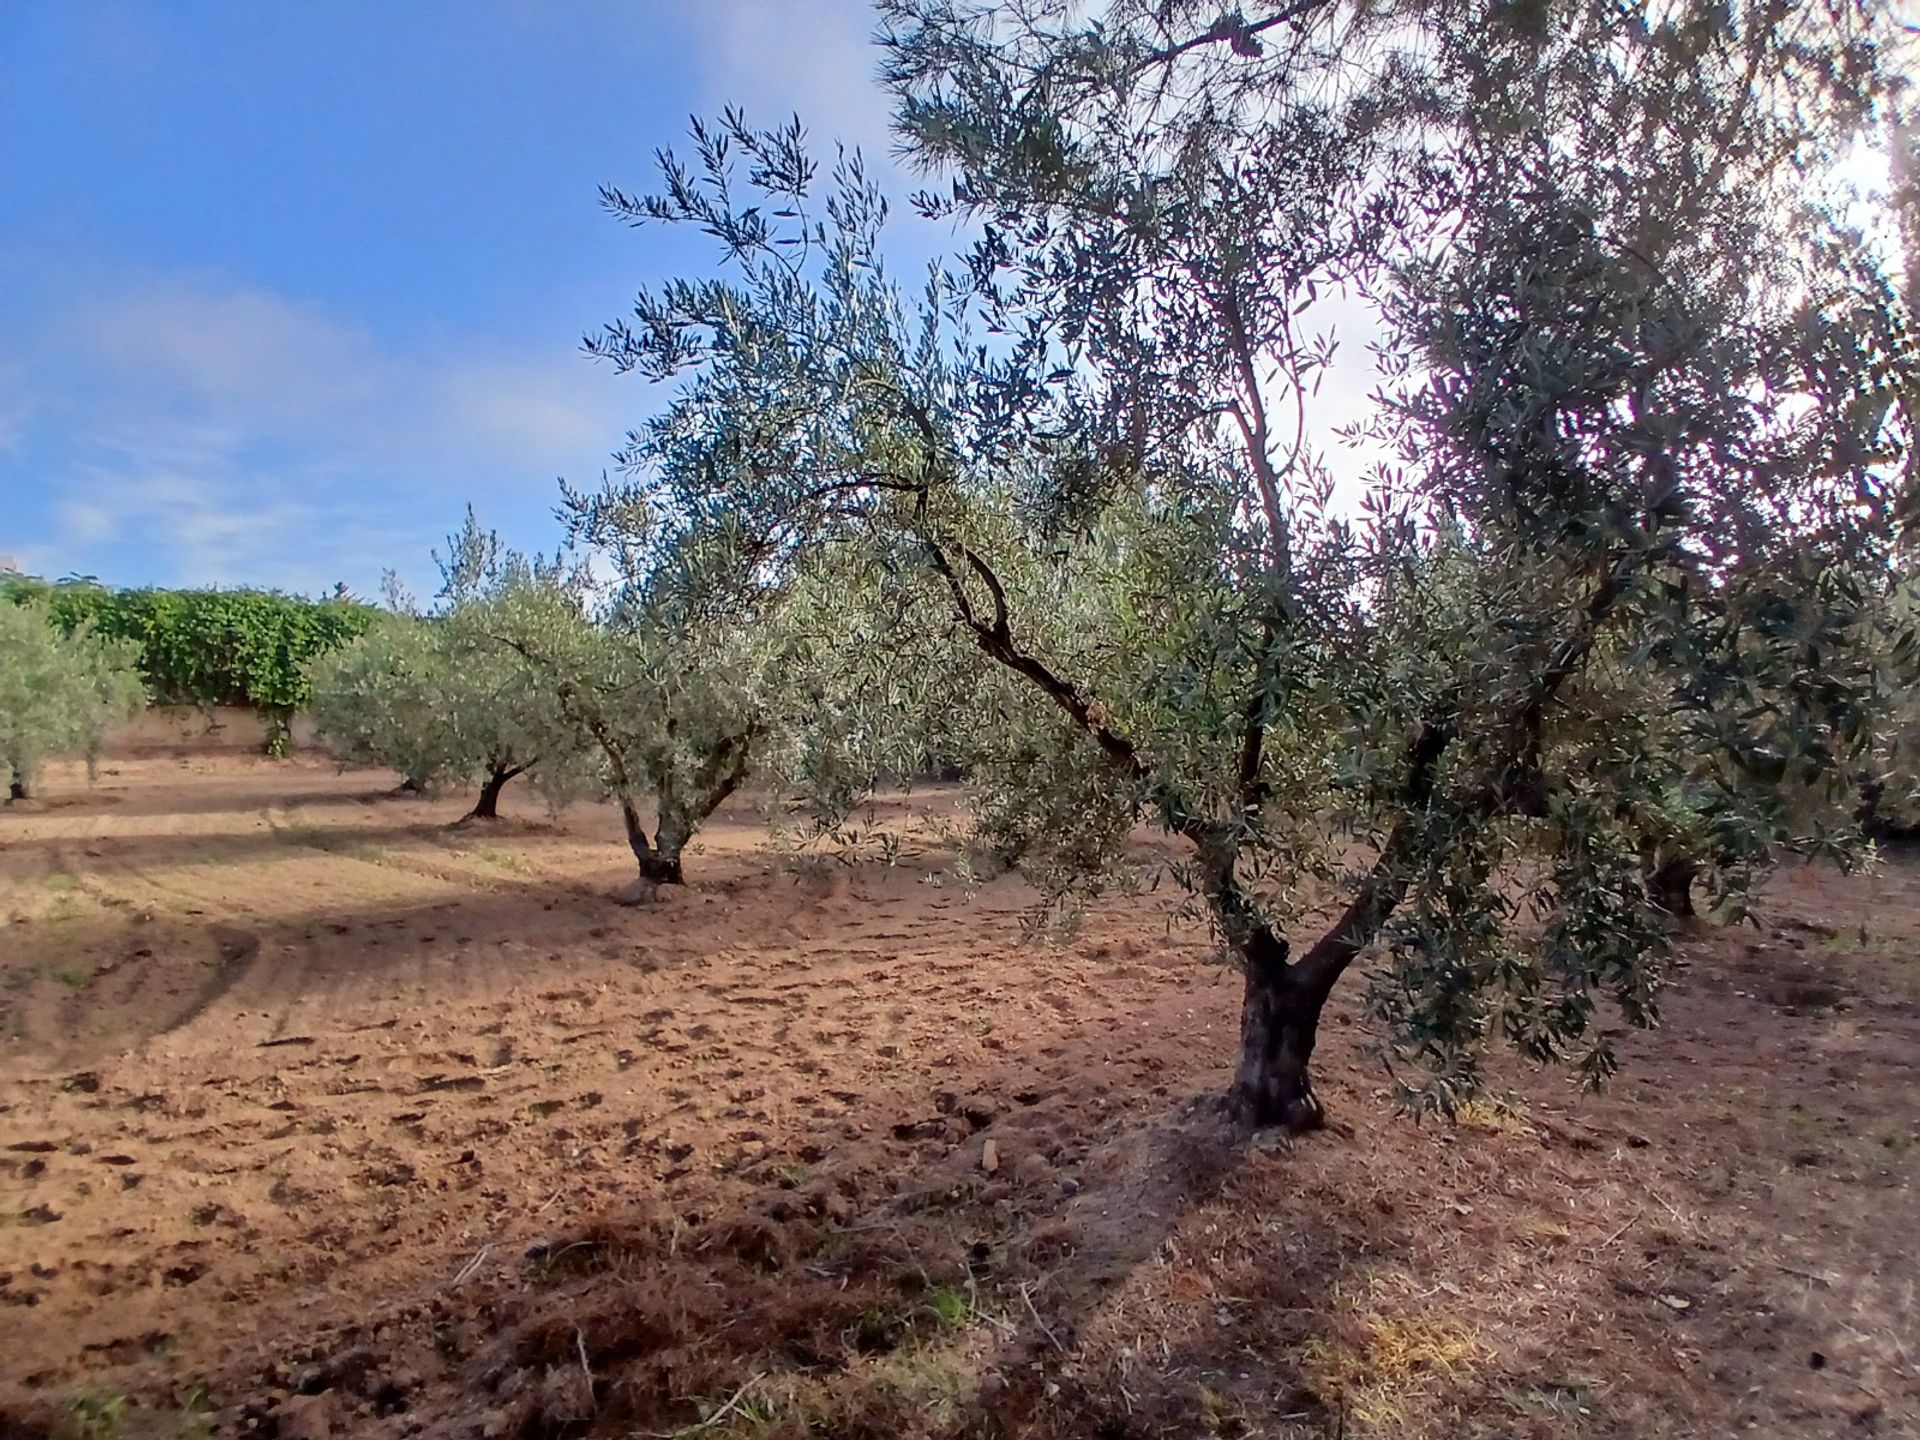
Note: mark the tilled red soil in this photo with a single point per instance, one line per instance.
(320, 1118)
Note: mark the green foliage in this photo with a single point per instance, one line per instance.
(381, 699)
(97, 1414)
(858, 689)
(952, 1308)
(442, 700)
(60, 689)
(707, 668)
(210, 647)
(671, 711)
(1890, 784)
(1646, 409)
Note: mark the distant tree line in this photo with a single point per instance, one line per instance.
(208, 647)
(665, 687)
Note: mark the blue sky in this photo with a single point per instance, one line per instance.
(285, 286)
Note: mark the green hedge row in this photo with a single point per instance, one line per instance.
(210, 647)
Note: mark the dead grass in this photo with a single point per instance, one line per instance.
(1378, 1369)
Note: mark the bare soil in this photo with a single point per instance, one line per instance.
(318, 1117)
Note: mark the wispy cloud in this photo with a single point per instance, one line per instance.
(201, 348)
(228, 434)
(815, 60)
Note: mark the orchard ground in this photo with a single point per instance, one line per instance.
(318, 1117)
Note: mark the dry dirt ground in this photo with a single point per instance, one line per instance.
(320, 1118)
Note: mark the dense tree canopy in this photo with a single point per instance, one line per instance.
(1600, 618)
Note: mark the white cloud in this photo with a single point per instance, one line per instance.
(87, 521)
(204, 526)
(211, 349)
(533, 410)
(814, 59)
(238, 436)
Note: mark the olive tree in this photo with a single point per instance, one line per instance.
(380, 701)
(60, 691)
(671, 711)
(438, 699)
(1633, 367)
(709, 658)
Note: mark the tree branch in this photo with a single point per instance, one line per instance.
(1230, 29)
(1511, 791)
(1386, 884)
(995, 637)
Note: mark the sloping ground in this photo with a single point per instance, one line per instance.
(317, 1117)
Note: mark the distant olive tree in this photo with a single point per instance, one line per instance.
(61, 689)
(699, 668)
(1890, 774)
(438, 699)
(377, 701)
(1635, 373)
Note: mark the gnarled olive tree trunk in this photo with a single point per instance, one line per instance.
(658, 864)
(1670, 885)
(681, 811)
(1279, 1021)
(487, 806)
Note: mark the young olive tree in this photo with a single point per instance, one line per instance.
(380, 700)
(1645, 390)
(440, 700)
(717, 657)
(60, 691)
(672, 711)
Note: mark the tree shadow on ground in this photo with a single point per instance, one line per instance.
(1580, 1272)
(281, 840)
(1128, 1267)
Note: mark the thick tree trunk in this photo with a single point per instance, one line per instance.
(658, 857)
(1874, 821)
(1670, 885)
(655, 870)
(487, 807)
(658, 864)
(658, 869)
(1279, 1020)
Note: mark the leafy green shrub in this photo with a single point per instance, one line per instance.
(209, 647)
